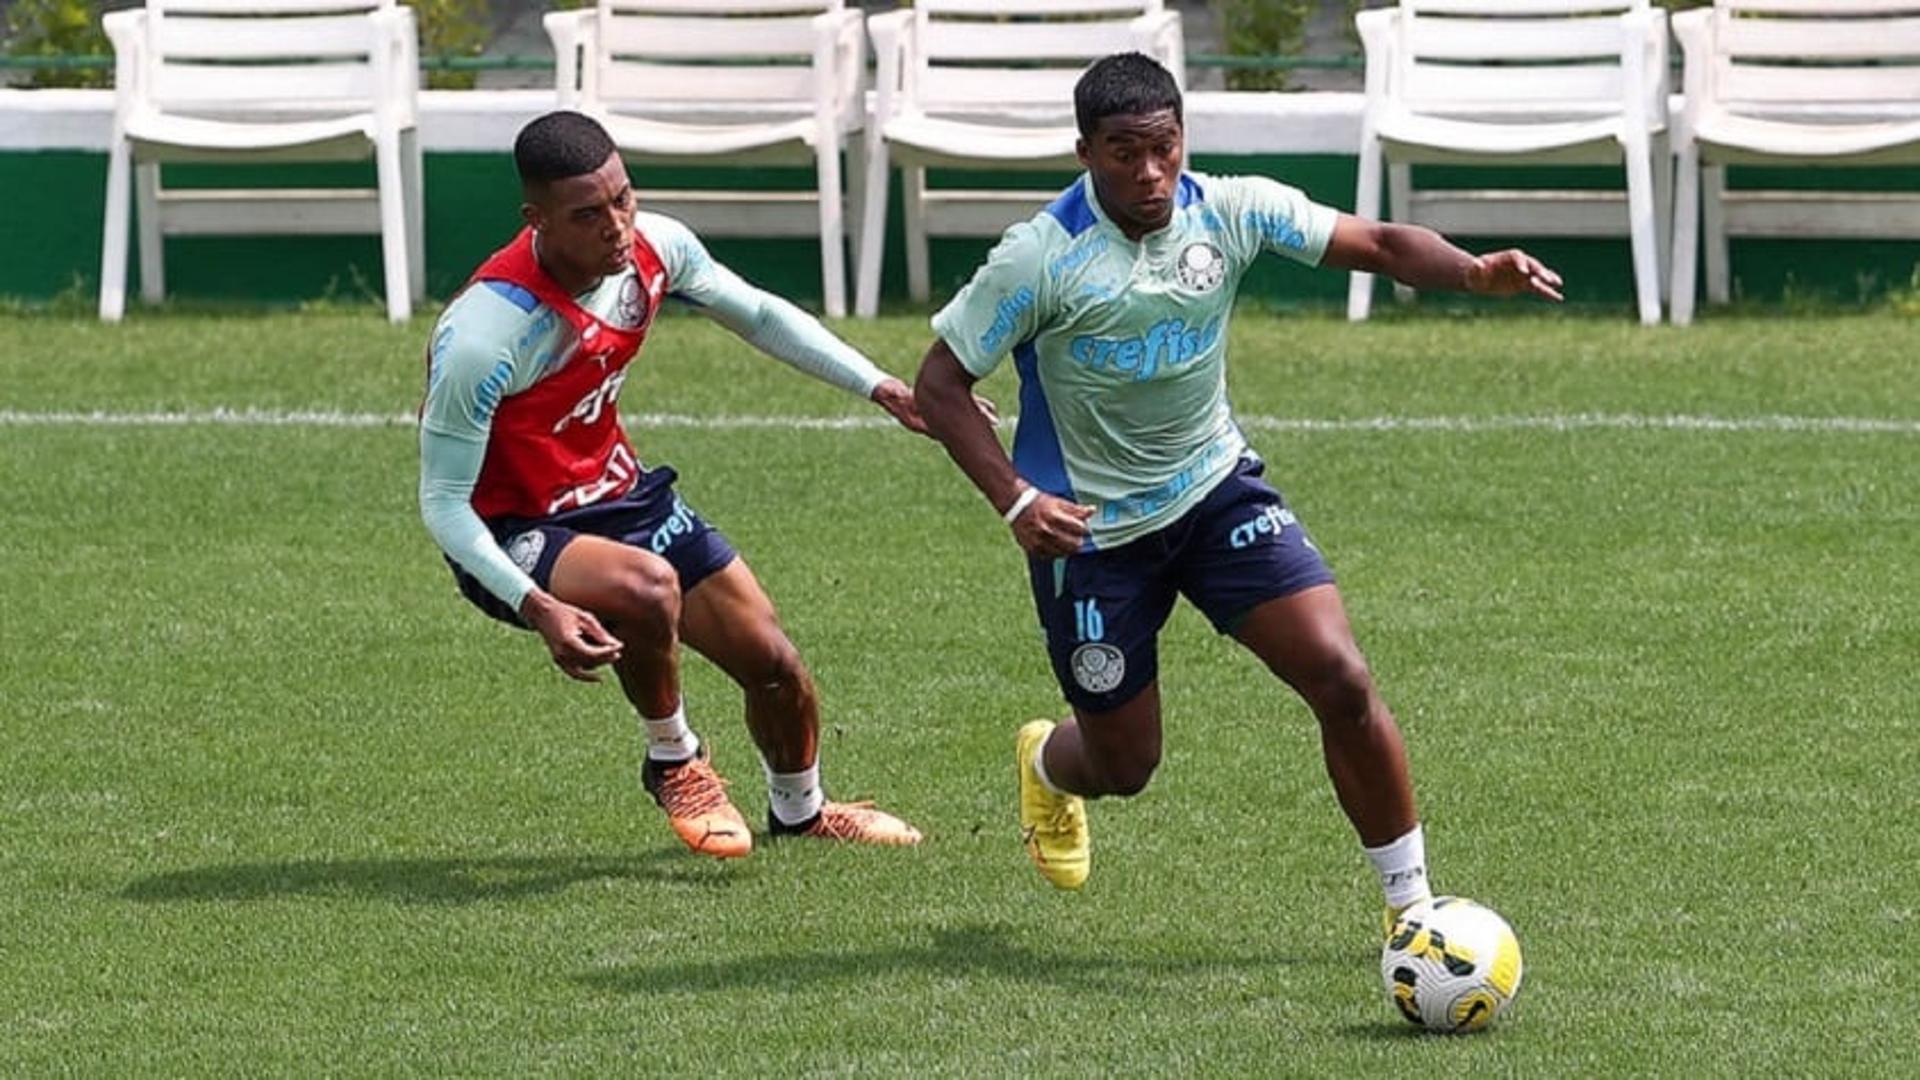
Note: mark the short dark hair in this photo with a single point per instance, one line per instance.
(560, 145)
(1124, 84)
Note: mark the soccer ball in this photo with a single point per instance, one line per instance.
(1451, 965)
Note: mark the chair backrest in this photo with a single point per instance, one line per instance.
(722, 51)
(1769, 52)
(982, 53)
(1459, 55)
(236, 55)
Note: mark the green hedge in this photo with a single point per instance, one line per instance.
(59, 28)
(463, 28)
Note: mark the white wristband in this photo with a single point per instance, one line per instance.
(1020, 504)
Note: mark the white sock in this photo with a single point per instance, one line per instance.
(1402, 866)
(794, 796)
(669, 739)
(1040, 768)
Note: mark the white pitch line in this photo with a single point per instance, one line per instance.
(317, 418)
(207, 418)
(1852, 425)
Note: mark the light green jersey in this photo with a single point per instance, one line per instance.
(1121, 345)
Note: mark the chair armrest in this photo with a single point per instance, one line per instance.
(406, 74)
(1160, 35)
(840, 65)
(1659, 64)
(1376, 30)
(127, 31)
(1694, 31)
(1636, 30)
(892, 35)
(573, 34)
(396, 64)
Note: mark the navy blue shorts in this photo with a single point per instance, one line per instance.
(651, 517)
(1102, 610)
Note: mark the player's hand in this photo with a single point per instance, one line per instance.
(1512, 273)
(1052, 527)
(574, 637)
(894, 396)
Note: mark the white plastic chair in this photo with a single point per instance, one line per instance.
(263, 81)
(1792, 82)
(984, 84)
(1519, 82)
(727, 82)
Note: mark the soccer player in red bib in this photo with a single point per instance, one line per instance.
(552, 522)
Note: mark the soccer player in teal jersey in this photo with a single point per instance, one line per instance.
(1130, 484)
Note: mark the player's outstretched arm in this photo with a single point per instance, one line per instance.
(774, 325)
(1042, 524)
(1424, 259)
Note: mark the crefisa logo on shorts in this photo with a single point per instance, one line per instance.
(1201, 267)
(1098, 667)
(525, 549)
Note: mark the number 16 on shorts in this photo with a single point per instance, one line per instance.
(1088, 623)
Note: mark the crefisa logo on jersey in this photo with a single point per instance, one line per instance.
(1201, 267)
(1098, 667)
(524, 550)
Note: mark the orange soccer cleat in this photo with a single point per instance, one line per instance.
(695, 799)
(856, 822)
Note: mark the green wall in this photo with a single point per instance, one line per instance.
(51, 211)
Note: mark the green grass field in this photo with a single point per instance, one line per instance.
(276, 801)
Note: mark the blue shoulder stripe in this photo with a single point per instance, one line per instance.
(516, 295)
(1071, 209)
(1190, 192)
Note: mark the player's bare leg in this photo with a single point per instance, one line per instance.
(1306, 640)
(637, 595)
(728, 619)
(1107, 753)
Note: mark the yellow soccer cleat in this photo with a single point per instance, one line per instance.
(695, 799)
(1053, 826)
(856, 823)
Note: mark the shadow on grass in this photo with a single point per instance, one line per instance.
(1393, 1030)
(422, 881)
(968, 952)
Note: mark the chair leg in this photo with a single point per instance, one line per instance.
(914, 208)
(1686, 232)
(1663, 209)
(1713, 217)
(873, 229)
(146, 212)
(1640, 214)
(855, 201)
(1400, 208)
(413, 161)
(833, 252)
(1366, 204)
(393, 227)
(113, 242)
